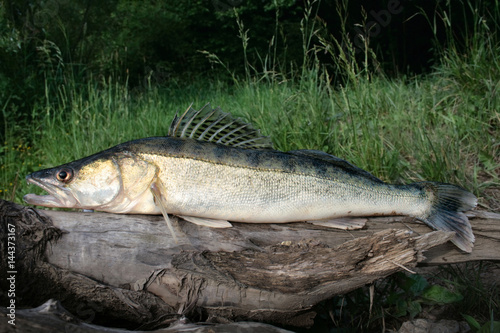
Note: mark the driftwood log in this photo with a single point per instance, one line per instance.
(52, 317)
(127, 271)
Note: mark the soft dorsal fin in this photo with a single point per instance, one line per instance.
(334, 160)
(213, 125)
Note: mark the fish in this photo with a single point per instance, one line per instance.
(212, 169)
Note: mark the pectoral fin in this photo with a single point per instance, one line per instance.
(207, 222)
(344, 223)
(158, 191)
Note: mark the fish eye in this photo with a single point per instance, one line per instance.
(64, 175)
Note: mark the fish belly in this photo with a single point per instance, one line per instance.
(244, 194)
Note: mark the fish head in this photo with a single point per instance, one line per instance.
(113, 181)
(88, 183)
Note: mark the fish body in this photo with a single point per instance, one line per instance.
(213, 169)
(204, 179)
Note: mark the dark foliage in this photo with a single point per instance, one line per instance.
(46, 44)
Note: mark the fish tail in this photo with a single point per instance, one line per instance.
(448, 202)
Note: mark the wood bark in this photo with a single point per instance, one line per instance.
(52, 317)
(127, 271)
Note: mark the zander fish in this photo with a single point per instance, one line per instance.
(213, 168)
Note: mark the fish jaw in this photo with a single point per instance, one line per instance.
(58, 197)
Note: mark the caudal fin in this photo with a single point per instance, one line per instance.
(448, 204)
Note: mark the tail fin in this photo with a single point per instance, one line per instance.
(448, 203)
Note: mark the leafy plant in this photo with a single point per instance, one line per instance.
(388, 302)
(480, 299)
(409, 293)
(491, 326)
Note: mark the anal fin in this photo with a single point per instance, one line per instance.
(344, 223)
(207, 222)
(156, 189)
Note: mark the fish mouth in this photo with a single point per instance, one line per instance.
(58, 197)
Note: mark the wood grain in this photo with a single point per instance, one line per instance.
(273, 273)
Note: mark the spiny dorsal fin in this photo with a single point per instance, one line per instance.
(335, 160)
(213, 125)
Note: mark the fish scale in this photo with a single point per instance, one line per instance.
(284, 187)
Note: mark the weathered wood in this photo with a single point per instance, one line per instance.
(117, 248)
(53, 317)
(265, 272)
